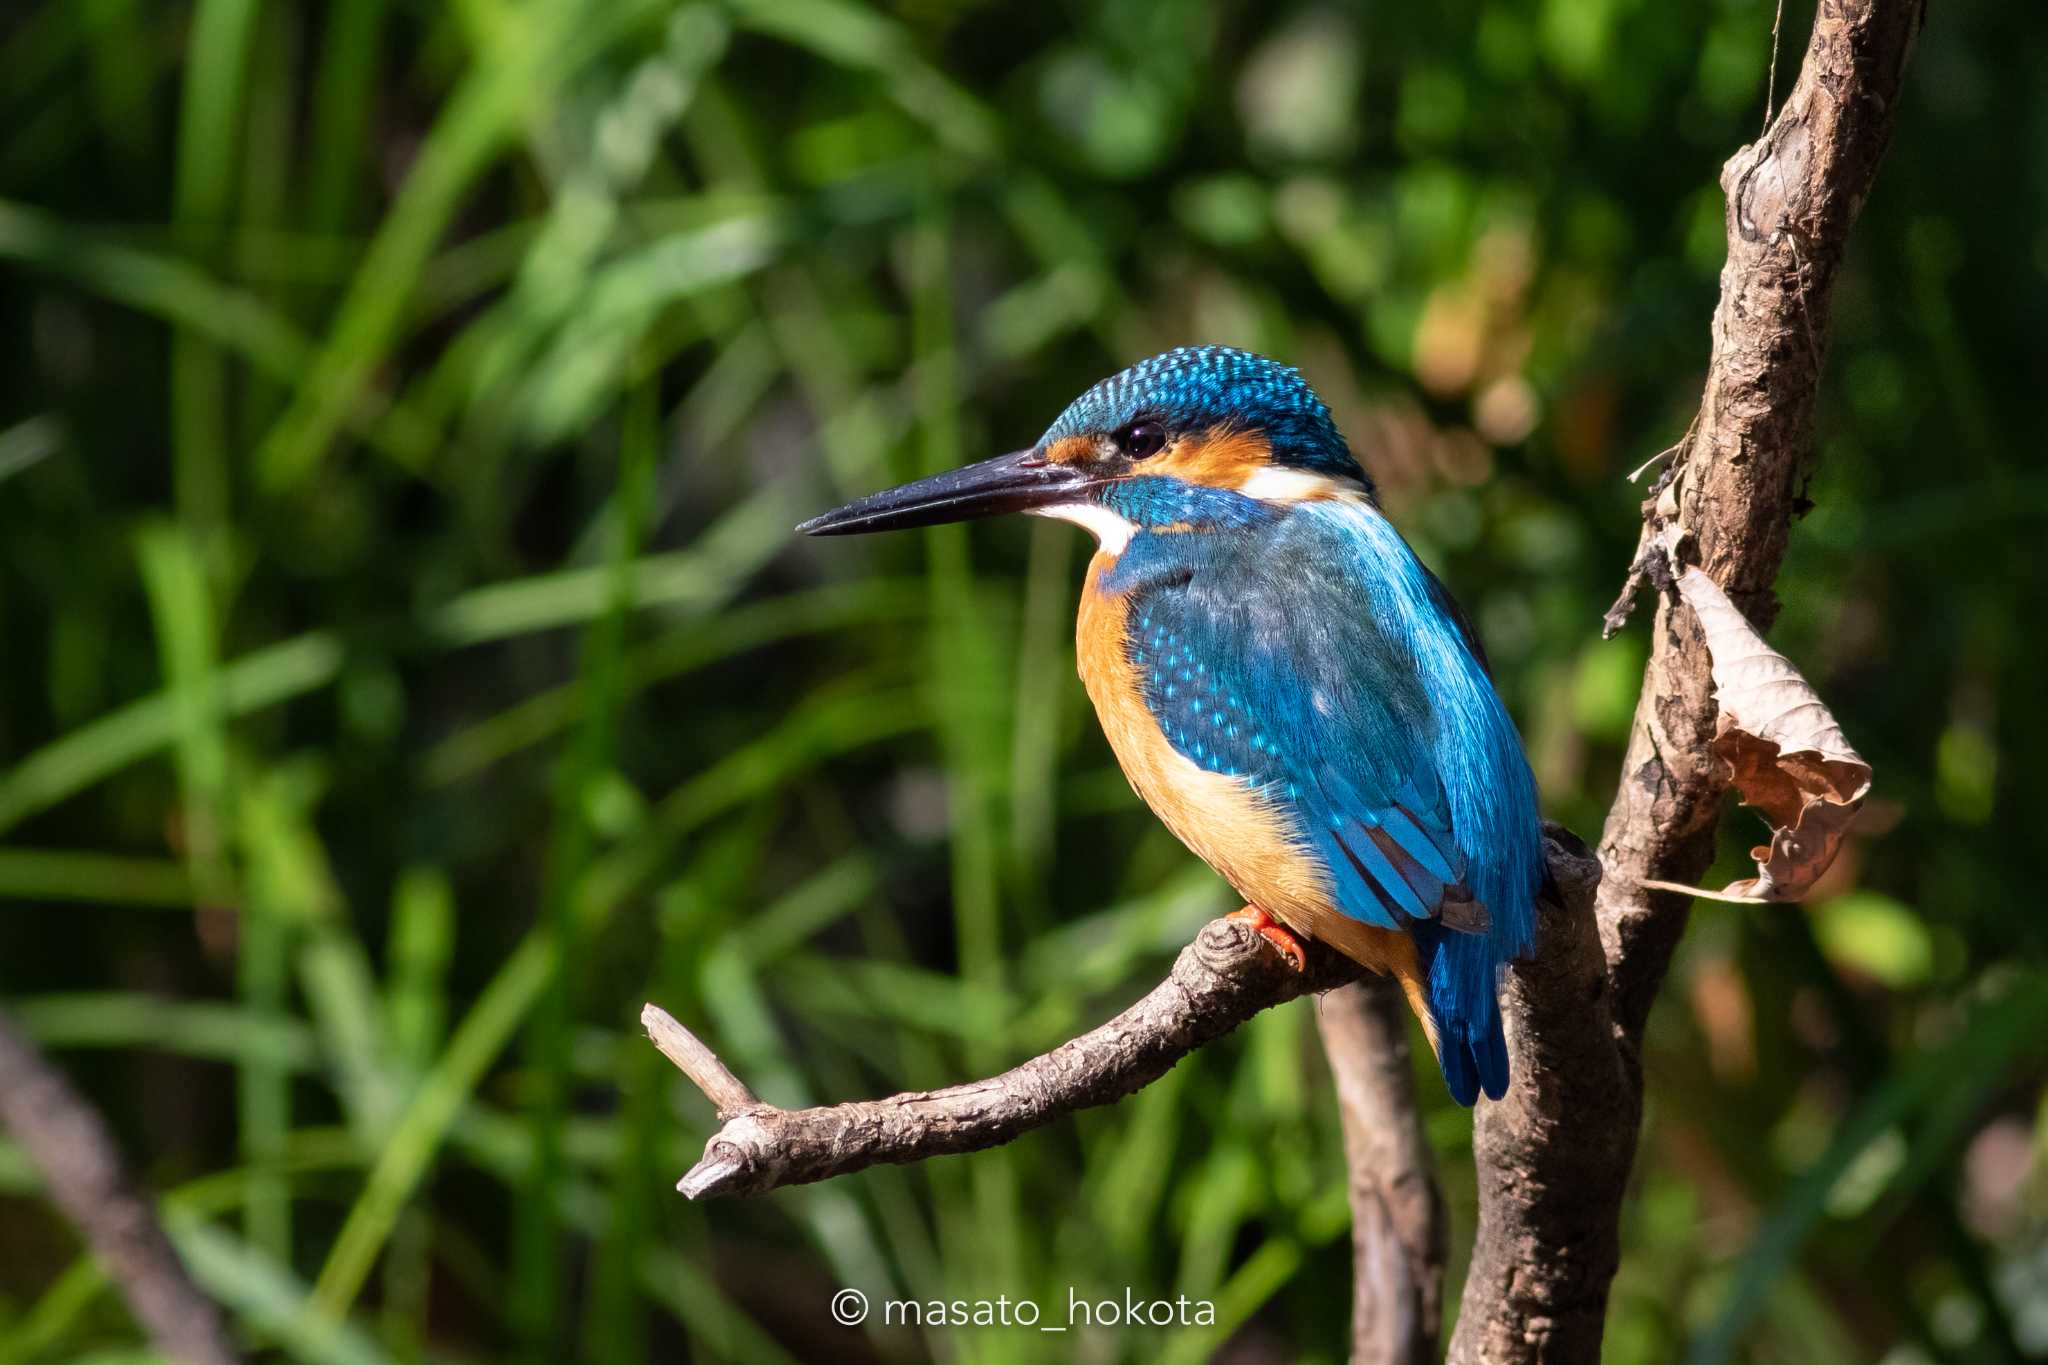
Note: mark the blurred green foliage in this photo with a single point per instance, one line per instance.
(407, 670)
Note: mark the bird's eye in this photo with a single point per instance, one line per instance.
(1141, 440)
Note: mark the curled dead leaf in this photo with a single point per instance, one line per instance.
(1783, 749)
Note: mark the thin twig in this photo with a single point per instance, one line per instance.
(727, 1092)
(1616, 617)
(1650, 551)
(68, 1142)
(1771, 81)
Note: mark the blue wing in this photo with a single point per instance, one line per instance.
(1242, 696)
(1319, 662)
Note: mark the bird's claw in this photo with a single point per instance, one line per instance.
(1275, 933)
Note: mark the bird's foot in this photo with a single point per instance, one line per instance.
(1275, 933)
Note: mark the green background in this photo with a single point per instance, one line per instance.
(406, 668)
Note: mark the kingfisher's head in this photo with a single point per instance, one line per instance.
(1199, 437)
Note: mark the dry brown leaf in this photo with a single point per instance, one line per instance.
(1785, 753)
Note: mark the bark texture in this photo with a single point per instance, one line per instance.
(71, 1148)
(1536, 1287)
(1397, 1212)
(1555, 1157)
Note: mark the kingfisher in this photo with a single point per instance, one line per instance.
(1283, 681)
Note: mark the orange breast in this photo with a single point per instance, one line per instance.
(1221, 819)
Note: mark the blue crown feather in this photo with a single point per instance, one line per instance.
(1195, 388)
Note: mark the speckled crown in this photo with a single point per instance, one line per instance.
(1192, 388)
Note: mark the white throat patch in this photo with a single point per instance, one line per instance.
(1274, 483)
(1111, 531)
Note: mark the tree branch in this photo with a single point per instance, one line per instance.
(1227, 975)
(1544, 1252)
(1735, 488)
(69, 1144)
(1551, 1199)
(1397, 1211)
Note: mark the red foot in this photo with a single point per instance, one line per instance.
(1275, 933)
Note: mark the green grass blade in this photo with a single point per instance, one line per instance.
(28, 443)
(693, 581)
(289, 877)
(39, 1331)
(536, 1278)
(183, 1028)
(422, 945)
(750, 626)
(343, 90)
(162, 286)
(261, 1290)
(216, 69)
(182, 607)
(514, 77)
(39, 874)
(1250, 1287)
(863, 39)
(423, 1125)
(93, 752)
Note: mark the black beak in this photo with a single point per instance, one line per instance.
(1017, 482)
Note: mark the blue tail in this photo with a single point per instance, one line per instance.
(1471, 1048)
(1473, 1065)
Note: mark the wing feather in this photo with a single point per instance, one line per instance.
(1313, 658)
(1281, 711)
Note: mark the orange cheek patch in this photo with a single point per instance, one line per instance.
(1218, 458)
(1071, 450)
